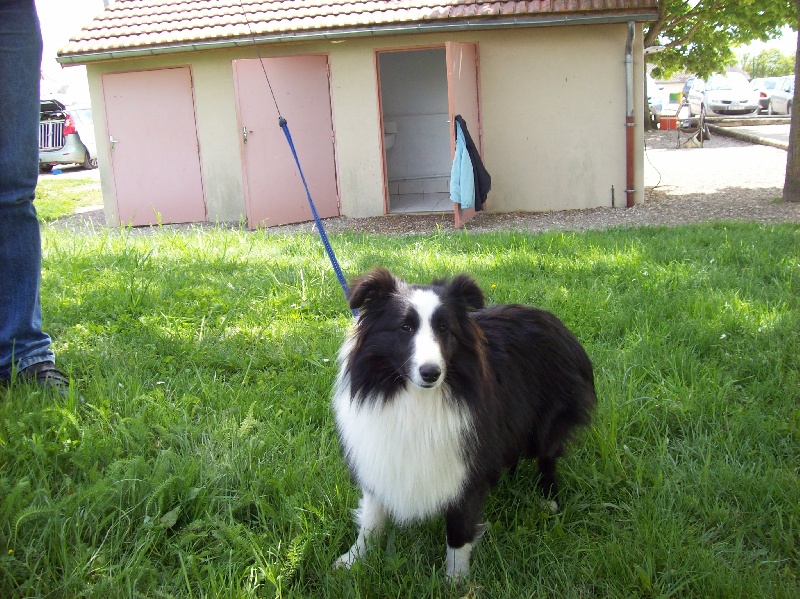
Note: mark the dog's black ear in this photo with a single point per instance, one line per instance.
(464, 288)
(376, 284)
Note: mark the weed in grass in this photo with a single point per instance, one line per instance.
(204, 461)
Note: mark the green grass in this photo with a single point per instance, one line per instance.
(204, 461)
(56, 198)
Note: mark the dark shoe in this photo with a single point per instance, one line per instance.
(46, 375)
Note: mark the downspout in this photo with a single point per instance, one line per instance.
(630, 121)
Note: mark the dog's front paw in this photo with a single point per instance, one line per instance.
(456, 563)
(549, 505)
(348, 559)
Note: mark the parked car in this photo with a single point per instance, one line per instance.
(66, 136)
(780, 102)
(687, 85)
(764, 86)
(722, 94)
(655, 98)
(655, 95)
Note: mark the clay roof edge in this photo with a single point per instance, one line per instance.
(76, 58)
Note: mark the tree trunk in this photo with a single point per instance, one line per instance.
(791, 185)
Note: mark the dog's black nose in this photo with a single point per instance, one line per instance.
(430, 373)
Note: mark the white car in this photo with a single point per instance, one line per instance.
(655, 95)
(722, 94)
(66, 136)
(764, 86)
(780, 100)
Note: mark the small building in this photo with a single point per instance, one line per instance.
(187, 127)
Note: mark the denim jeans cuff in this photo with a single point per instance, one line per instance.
(47, 356)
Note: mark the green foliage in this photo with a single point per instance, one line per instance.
(768, 63)
(204, 461)
(700, 38)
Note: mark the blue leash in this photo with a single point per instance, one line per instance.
(323, 235)
(285, 126)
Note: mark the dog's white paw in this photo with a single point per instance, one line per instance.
(550, 506)
(348, 559)
(344, 561)
(456, 563)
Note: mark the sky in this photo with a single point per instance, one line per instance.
(60, 21)
(786, 44)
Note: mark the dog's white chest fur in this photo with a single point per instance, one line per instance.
(407, 452)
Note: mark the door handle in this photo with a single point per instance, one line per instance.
(244, 134)
(112, 141)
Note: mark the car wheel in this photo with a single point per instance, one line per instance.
(770, 109)
(89, 163)
(45, 168)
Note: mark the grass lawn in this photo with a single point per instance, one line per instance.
(204, 461)
(58, 197)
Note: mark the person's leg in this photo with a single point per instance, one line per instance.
(23, 344)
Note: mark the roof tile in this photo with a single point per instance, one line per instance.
(131, 25)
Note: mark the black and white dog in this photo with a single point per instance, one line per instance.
(436, 395)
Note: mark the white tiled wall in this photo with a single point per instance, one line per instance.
(430, 194)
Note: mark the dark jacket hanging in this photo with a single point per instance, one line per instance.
(483, 180)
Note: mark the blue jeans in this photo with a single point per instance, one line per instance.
(22, 341)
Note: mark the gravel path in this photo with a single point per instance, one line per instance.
(727, 179)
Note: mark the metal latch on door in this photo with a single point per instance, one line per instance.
(112, 141)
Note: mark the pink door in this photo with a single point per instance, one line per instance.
(155, 158)
(274, 192)
(462, 92)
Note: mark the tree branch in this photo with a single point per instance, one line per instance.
(665, 23)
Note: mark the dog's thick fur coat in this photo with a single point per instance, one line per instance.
(437, 394)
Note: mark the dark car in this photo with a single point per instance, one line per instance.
(66, 136)
(780, 101)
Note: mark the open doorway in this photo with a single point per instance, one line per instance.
(416, 129)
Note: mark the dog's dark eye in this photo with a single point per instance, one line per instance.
(443, 328)
(406, 328)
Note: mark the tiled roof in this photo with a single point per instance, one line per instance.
(157, 26)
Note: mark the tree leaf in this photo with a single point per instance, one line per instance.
(169, 519)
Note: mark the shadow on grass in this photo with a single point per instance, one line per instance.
(205, 459)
